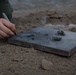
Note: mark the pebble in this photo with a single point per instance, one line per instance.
(55, 26)
(72, 25)
(46, 65)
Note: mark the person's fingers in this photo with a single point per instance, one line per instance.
(3, 35)
(9, 25)
(5, 29)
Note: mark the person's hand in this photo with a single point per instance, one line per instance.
(7, 29)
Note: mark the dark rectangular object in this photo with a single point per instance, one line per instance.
(44, 39)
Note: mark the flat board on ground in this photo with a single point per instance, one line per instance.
(42, 38)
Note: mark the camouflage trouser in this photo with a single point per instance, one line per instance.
(6, 8)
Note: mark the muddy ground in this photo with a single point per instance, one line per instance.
(16, 60)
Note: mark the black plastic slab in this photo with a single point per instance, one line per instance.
(41, 38)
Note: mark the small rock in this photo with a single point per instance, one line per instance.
(60, 26)
(72, 25)
(54, 26)
(46, 65)
(73, 29)
(48, 25)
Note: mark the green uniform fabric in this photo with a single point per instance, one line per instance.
(6, 8)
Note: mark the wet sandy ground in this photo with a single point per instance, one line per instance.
(16, 60)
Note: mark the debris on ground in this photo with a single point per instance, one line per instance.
(46, 65)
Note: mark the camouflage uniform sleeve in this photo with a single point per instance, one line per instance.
(6, 8)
